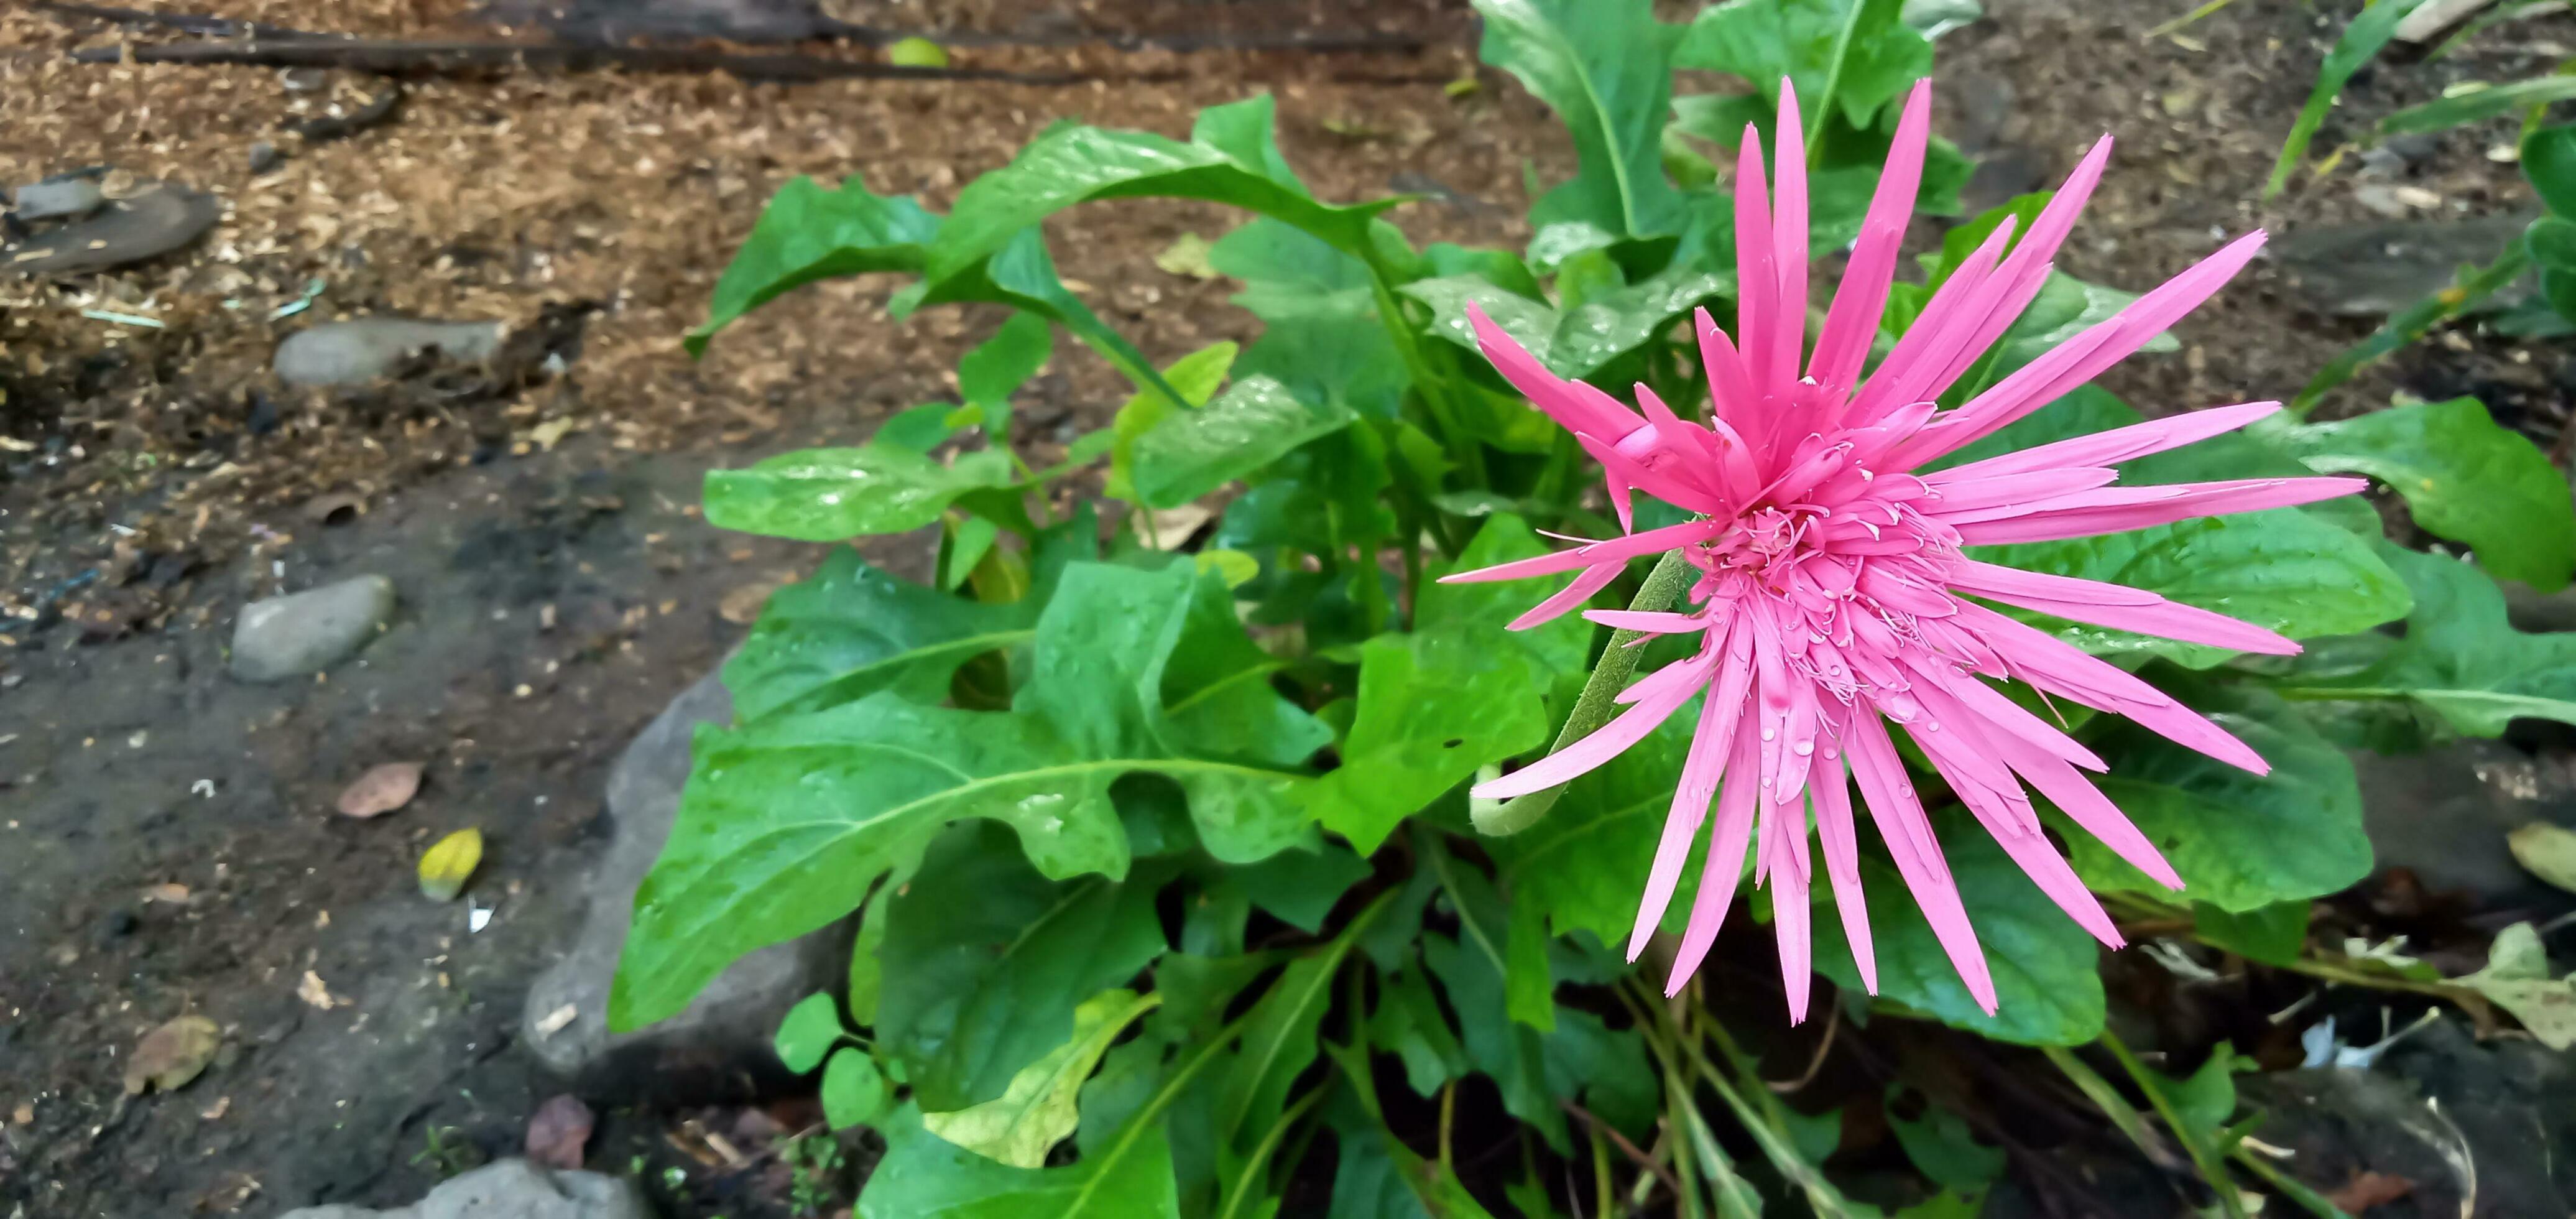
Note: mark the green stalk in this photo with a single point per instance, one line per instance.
(1664, 586)
(2230, 1202)
(1833, 81)
(1432, 388)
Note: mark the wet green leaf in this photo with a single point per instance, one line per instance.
(926, 1177)
(2460, 659)
(1000, 365)
(1763, 40)
(854, 1090)
(2046, 986)
(831, 495)
(1037, 1111)
(809, 1032)
(986, 963)
(851, 630)
(2240, 841)
(1586, 863)
(809, 233)
(786, 823)
(2272, 934)
(1576, 342)
(2463, 477)
(1605, 67)
(1433, 707)
(1252, 424)
(1940, 1144)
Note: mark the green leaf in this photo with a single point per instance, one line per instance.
(2549, 161)
(1529, 985)
(1128, 1076)
(1563, 645)
(1606, 1069)
(786, 823)
(1037, 1111)
(926, 1177)
(2473, 102)
(2239, 841)
(1299, 886)
(2272, 934)
(1195, 377)
(831, 495)
(917, 429)
(809, 233)
(2361, 42)
(1217, 697)
(986, 964)
(1377, 1174)
(1252, 424)
(2464, 478)
(1433, 707)
(1860, 50)
(2046, 987)
(1940, 1144)
(1471, 969)
(1279, 1039)
(2519, 979)
(1074, 164)
(1409, 1024)
(809, 1032)
(998, 367)
(1605, 67)
(1580, 341)
(2460, 658)
(854, 1090)
(2284, 569)
(851, 630)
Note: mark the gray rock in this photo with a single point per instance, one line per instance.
(265, 157)
(724, 1036)
(2369, 270)
(157, 218)
(2444, 813)
(359, 350)
(309, 631)
(58, 199)
(509, 1189)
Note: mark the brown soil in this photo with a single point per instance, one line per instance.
(557, 584)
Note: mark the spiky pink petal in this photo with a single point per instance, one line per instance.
(1833, 597)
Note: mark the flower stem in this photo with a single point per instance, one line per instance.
(1665, 585)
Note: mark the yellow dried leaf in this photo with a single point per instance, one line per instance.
(2546, 851)
(917, 53)
(447, 865)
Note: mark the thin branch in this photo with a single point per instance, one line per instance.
(1631, 1150)
(391, 58)
(192, 23)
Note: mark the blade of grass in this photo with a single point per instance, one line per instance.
(2361, 42)
(2473, 285)
(2212, 1170)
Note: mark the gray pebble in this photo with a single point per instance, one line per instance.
(310, 631)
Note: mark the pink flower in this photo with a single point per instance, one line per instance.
(1833, 595)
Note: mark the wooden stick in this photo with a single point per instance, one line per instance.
(193, 23)
(390, 58)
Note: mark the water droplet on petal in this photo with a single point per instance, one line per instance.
(1767, 734)
(1803, 748)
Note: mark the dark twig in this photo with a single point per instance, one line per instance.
(1631, 1150)
(438, 58)
(193, 23)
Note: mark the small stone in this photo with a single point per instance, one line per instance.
(59, 199)
(309, 631)
(303, 80)
(509, 1189)
(265, 157)
(359, 350)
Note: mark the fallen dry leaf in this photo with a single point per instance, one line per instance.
(216, 1111)
(311, 990)
(172, 893)
(381, 790)
(25, 1115)
(557, 1133)
(337, 509)
(171, 1055)
(553, 1022)
(742, 606)
(2369, 1189)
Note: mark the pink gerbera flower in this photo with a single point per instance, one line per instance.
(1833, 595)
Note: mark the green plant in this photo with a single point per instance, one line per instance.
(1161, 846)
(816, 1172)
(443, 1154)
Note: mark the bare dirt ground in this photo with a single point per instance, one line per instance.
(167, 844)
